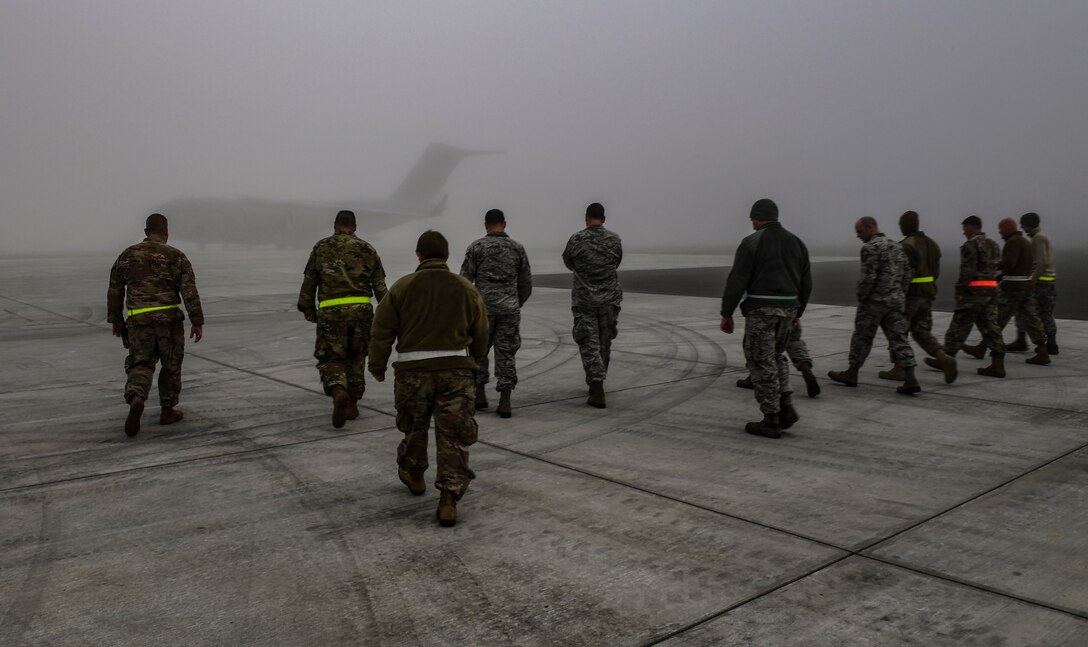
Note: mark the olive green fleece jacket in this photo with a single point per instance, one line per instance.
(431, 309)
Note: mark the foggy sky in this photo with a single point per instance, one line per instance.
(676, 115)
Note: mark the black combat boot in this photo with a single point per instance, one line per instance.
(447, 508)
(1052, 344)
(811, 385)
(910, 384)
(170, 415)
(977, 351)
(414, 481)
(769, 427)
(787, 415)
(481, 397)
(341, 403)
(1042, 357)
(1018, 346)
(596, 395)
(996, 367)
(135, 410)
(504, 405)
(745, 382)
(849, 377)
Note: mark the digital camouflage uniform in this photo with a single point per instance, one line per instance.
(797, 349)
(593, 255)
(500, 269)
(925, 265)
(442, 316)
(766, 336)
(342, 266)
(1044, 277)
(1016, 295)
(976, 304)
(882, 289)
(152, 274)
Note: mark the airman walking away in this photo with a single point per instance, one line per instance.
(1044, 278)
(499, 268)
(342, 277)
(148, 282)
(439, 323)
(797, 351)
(594, 254)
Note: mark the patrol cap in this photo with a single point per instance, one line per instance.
(764, 209)
(974, 221)
(1030, 219)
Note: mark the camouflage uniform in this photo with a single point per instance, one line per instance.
(1046, 292)
(925, 266)
(885, 275)
(766, 335)
(340, 266)
(500, 269)
(797, 349)
(147, 275)
(439, 323)
(979, 258)
(593, 254)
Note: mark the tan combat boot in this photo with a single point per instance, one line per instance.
(414, 481)
(896, 373)
(341, 403)
(1042, 357)
(947, 364)
(135, 410)
(170, 415)
(849, 377)
(353, 409)
(447, 508)
(1018, 346)
(910, 384)
(977, 351)
(769, 427)
(481, 397)
(787, 415)
(504, 405)
(596, 395)
(812, 387)
(996, 367)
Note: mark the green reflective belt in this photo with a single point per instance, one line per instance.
(1047, 278)
(140, 311)
(922, 279)
(342, 301)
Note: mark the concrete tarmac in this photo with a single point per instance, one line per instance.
(956, 517)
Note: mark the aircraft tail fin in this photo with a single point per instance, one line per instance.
(429, 175)
(440, 207)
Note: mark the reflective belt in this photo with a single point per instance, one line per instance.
(140, 311)
(342, 301)
(982, 284)
(922, 279)
(1016, 278)
(430, 354)
(773, 298)
(1047, 278)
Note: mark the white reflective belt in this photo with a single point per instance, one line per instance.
(775, 298)
(415, 355)
(1016, 278)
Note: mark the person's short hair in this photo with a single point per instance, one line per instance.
(345, 219)
(868, 221)
(595, 211)
(973, 221)
(908, 222)
(1030, 219)
(156, 222)
(764, 209)
(494, 217)
(432, 244)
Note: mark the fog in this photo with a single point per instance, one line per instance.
(675, 115)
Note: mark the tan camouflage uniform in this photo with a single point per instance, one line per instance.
(339, 266)
(979, 258)
(151, 274)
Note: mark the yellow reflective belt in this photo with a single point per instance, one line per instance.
(922, 279)
(342, 301)
(1047, 278)
(140, 311)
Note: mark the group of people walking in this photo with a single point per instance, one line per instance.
(444, 325)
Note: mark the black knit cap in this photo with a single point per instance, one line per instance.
(1030, 219)
(764, 209)
(974, 221)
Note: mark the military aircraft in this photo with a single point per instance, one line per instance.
(255, 221)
